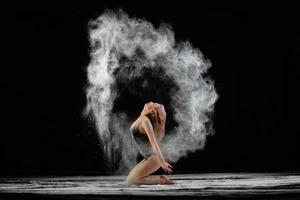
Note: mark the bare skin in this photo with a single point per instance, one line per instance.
(155, 131)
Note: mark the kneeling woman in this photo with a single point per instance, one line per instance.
(147, 130)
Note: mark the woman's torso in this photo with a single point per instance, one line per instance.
(159, 129)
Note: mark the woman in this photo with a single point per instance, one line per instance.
(147, 130)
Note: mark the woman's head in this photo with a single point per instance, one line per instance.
(155, 111)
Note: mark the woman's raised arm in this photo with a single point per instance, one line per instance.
(150, 132)
(147, 125)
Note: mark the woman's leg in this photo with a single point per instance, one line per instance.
(151, 180)
(143, 169)
(140, 173)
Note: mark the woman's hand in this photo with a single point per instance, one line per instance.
(167, 167)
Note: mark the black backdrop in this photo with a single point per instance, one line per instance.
(255, 54)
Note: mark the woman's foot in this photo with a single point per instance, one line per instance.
(166, 181)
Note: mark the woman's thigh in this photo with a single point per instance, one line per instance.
(144, 168)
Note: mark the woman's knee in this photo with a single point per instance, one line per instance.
(130, 180)
(145, 168)
(132, 177)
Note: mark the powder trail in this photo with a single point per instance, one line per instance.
(122, 48)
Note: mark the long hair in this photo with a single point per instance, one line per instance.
(155, 112)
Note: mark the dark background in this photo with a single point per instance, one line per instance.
(255, 54)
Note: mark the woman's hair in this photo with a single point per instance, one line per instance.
(153, 110)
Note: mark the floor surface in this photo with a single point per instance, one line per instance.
(188, 186)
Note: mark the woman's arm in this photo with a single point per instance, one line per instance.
(152, 138)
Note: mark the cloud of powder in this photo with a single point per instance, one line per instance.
(115, 36)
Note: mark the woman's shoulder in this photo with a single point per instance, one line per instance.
(139, 121)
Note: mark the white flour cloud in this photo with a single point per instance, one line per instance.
(115, 36)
